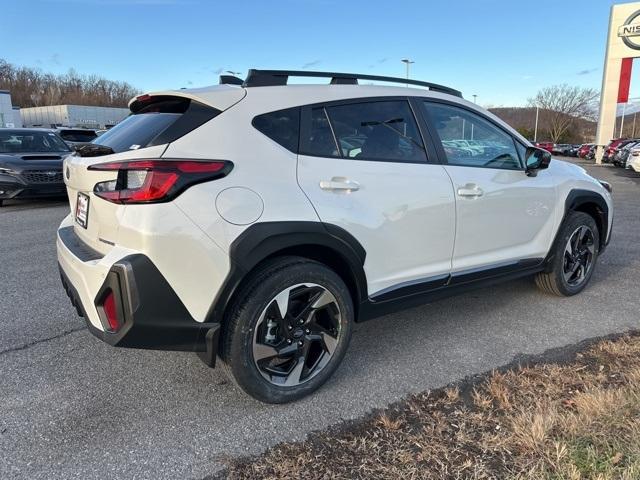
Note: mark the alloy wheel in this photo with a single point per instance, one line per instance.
(578, 255)
(296, 334)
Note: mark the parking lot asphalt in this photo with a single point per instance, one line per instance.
(73, 407)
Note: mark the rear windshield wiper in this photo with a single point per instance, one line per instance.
(93, 150)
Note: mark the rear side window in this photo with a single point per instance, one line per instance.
(382, 130)
(158, 121)
(77, 135)
(282, 127)
(320, 141)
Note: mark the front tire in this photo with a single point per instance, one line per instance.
(287, 330)
(575, 252)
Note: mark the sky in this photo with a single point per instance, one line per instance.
(503, 51)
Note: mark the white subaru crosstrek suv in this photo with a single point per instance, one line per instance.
(257, 221)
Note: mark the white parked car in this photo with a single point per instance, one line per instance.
(258, 222)
(633, 159)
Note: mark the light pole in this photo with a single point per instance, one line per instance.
(535, 130)
(624, 112)
(407, 62)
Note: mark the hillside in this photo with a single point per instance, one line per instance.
(523, 119)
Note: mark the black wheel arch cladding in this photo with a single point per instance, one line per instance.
(319, 241)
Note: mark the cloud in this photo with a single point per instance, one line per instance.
(587, 71)
(311, 64)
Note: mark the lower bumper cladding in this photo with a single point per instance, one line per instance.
(139, 309)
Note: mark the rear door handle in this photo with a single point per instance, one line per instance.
(470, 190)
(339, 184)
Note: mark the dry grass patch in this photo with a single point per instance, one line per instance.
(574, 421)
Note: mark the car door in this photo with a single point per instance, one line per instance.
(363, 164)
(503, 216)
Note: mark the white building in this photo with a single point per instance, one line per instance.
(72, 116)
(9, 115)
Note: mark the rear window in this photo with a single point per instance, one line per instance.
(77, 135)
(159, 121)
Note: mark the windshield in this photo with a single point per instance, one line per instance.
(17, 141)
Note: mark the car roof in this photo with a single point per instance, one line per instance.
(27, 130)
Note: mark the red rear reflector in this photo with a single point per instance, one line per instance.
(111, 311)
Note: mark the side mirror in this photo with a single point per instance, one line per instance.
(536, 159)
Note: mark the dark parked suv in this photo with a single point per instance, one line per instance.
(31, 163)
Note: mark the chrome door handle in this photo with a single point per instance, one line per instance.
(470, 190)
(339, 184)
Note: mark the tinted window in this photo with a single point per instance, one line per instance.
(157, 121)
(136, 131)
(321, 141)
(470, 140)
(25, 141)
(383, 130)
(282, 127)
(77, 135)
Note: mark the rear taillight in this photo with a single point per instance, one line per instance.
(154, 181)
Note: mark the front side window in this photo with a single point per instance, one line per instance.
(470, 140)
(383, 130)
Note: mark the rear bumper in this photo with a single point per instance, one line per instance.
(153, 317)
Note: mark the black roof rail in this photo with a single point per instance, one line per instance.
(230, 80)
(270, 78)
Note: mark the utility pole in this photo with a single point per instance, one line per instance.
(535, 131)
(633, 133)
(407, 62)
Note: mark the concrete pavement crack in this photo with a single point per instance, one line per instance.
(37, 342)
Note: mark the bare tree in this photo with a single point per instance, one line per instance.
(561, 105)
(31, 87)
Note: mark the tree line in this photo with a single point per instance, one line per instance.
(31, 87)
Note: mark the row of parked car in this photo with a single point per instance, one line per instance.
(622, 152)
(566, 149)
(31, 160)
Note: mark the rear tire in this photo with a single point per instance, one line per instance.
(287, 330)
(575, 252)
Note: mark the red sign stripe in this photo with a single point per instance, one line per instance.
(625, 80)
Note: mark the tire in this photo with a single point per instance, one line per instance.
(309, 343)
(554, 280)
